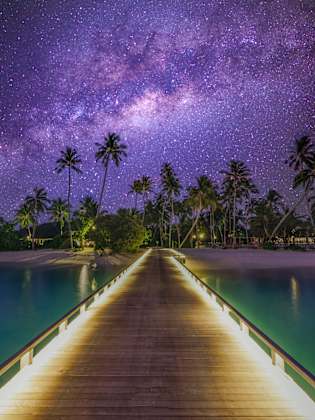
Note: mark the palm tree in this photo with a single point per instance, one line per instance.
(59, 212)
(237, 185)
(160, 204)
(136, 189)
(305, 178)
(37, 203)
(263, 218)
(86, 217)
(199, 198)
(69, 160)
(302, 159)
(24, 218)
(274, 200)
(111, 149)
(301, 154)
(88, 207)
(146, 189)
(171, 188)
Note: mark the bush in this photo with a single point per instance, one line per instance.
(269, 246)
(122, 232)
(9, 237)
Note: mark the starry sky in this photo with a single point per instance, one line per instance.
(192, 82)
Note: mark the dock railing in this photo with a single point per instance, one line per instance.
(278, 356)
(26, 355)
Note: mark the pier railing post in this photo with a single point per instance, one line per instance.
(277, 360)
(244, 327)
(63, 326)
(26, 359)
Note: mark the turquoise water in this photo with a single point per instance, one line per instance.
(281, 302)
(32, 299)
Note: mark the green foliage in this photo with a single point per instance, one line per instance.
(270, 246)
(69, 159)
(60, 242)
(9, 237)
(59, 212)
(110, 150)
(55, 243)
(120, 232)
(85, 218)
(148, 237)
(100, 235)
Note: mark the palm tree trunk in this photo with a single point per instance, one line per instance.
(33, 236)
(161, 233)
(234, 217)
(229, 231)
(29, 233)
(171, 223)
(221, 234)
(144, 201)
(191, 229)
(246, 224)
(161, 226)
(69, 215)
(103, 188)
(309, 209)
(210, 227)
(178, 234)
(287, 214)
(224, 227)
(247, 236)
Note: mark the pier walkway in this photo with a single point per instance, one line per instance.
(154, 349)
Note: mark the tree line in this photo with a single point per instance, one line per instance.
(170, 215)
(232, 213)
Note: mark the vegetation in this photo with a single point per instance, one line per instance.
(9, 238)
(111, 150)
(120, 232)
(228, 215)
(170, 190)
(85, 218)
(37, 203)
(69, 160)
(59, 210)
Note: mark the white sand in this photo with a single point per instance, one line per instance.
(63, 257)
(238, 259)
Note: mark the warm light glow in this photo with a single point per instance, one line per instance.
(284, 383)
(295, 292)
(20, 381)
(84, 281)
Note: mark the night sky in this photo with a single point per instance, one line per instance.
(195, 83)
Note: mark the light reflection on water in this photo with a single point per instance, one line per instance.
(32, 299)
(84, 281)
(281, 302)
(295, 295)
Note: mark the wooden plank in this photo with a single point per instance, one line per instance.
(155, 350)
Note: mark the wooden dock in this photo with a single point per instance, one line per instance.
(158, 350)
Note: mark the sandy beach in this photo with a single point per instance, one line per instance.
(202, 259)
(63, 258)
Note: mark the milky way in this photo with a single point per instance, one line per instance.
(195, 83)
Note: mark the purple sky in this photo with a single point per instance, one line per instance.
(196, 83)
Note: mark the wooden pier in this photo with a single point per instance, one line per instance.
(154, 349)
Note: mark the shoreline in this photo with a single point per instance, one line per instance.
(246, 259)
(63, 258)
